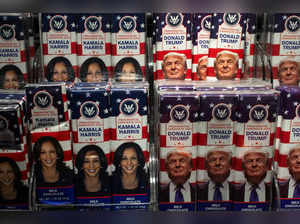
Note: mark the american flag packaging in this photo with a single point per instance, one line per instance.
(13, 55)
(216, 133)
(201, 36)
(178, 133)
(91, 126)
(60, 191)
(288, 148)
(129, 42)
(228, 32)
(255, 130)
(129, 125)
(94, 41)
(174, 35)
(285, 44)
(47, 104)
(58, 32)
(16, 160)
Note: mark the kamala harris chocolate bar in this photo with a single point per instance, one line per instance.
(94, 45)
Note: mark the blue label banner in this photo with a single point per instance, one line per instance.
(245, 206)
(290, 203)
(186, 206)
(102, 202)
(55, 195)
(136, 201)
(214, 206)
(19, 206)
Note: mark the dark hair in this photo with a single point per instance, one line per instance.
(119, 154)
(53, 62)
(7, 68)
(88, 148)
(85, 66)
(17, 181)
(60, 165)
(122, 62)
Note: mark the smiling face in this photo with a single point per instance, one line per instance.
(128, 72)
(226, 67)
(179, 167)
(60, 72)
(7, 175)
(255, 167)
(289, 73)
(91, 164)
(202, 69)
(174, 67)
(129, 162)
(293, 163)
(10, 80)
(48, 155)
(94, 73)
(218, 166)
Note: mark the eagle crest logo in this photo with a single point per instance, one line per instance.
(258, 113)
(174, 19)
(129, 107)
(7, 32)
(292, 23)
(206, 23)
(179, 113)
(221, 111)
(128, 24)
(42, 99)
(89, 109)
(232, 18)
(92, 24)
(58, 23)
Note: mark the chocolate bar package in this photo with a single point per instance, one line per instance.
(216, 147)
(13, 60)
(248, 62)
(174, 45)
(287, 174)
(255, 130)
(18, 98)
(58, 32)
(286, 48)
(91, 142)
(11, 130)
(129, 146)
(129, 46)
(53, 165)
(94, 47)
(14, 180)
(47, 104)
(227, 40)
(179, 116)
(201, 36)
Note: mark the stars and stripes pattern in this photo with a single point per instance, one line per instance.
(239, 28)
(69, 33)
(278, 22)
(17, 23)
(103, 34)
(161, 25)
(137, 34)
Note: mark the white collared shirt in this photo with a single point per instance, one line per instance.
(224, 190)
(185, 190)
(261, 191)
(292, 185)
